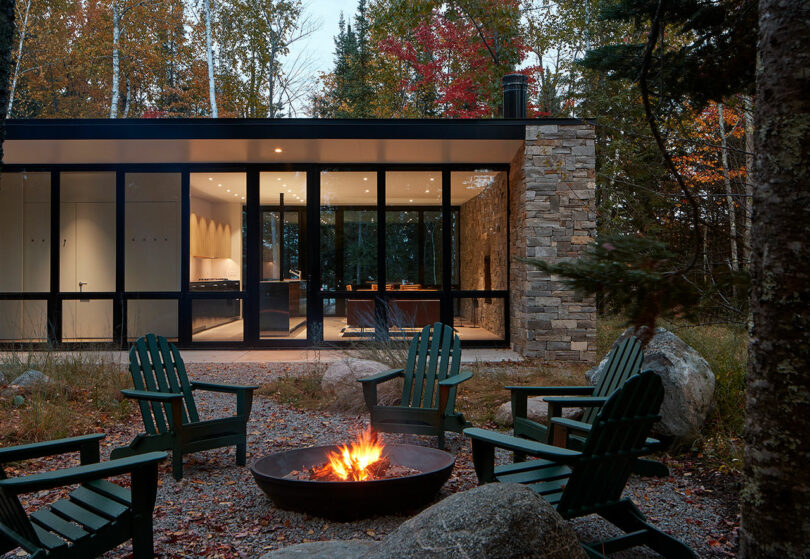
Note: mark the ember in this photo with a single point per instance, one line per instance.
(362, 461)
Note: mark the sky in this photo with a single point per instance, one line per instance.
(320, 45)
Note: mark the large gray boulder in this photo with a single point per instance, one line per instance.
(340, 382)
(536, 410)
(688, 385)
(30, 378)
(494, 521)
(335, 549)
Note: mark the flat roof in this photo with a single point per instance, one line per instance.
(226, 140)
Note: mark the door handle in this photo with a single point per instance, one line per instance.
(81, 285)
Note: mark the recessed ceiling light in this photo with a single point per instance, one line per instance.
(283, 184)
(220, 184)
(410, 200)
(227, 190)
(210, 178)
(367, 190)
(365, 178)
(431, 179)
(427, 190)
(278, 179)
(278, 150)
(243, 197)
(235, 195)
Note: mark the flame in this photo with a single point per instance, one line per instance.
(351, 464)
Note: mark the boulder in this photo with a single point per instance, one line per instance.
(536, 409)
(30, 378)
(688, 385)
(351, 549)
(340, 382)
(494, 521)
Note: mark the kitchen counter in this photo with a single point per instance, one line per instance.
(281, 302)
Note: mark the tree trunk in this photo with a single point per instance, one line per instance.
(19, 60)
(128, 98)
(732, 211)
(210, 54)
(115, 61)
(776, 490)
(6, 40)
(748, 104)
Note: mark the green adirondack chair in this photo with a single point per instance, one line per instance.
(95, 517)
(170, 416)
(431, 376)
(590, 481)
(623, 362)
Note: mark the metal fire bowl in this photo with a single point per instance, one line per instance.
(350, 500)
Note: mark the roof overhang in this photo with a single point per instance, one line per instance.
(81, 141)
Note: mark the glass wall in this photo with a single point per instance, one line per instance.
(387, 266)
(25, 251)
(217, 248)
(482, 255)
(348, 243)
(283, 286)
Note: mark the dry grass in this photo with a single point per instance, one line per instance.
(298, 390)
(84, 395)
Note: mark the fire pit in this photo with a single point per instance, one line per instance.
(295, 480)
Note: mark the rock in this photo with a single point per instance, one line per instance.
(352, 549)
(30, 378)
(688, 385)
(18, 401)
(340, 381)
(494, 521)
(537, 410)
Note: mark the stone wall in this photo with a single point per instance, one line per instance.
(552, 218)
(482, 235)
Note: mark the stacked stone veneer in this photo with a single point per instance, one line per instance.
(483, 233)
(552, 218)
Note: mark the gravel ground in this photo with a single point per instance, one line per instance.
(217, 510)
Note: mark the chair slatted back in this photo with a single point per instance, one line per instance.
(623, 363)
(13, 516)
(617, 438)
(434, 355)
(156, 366)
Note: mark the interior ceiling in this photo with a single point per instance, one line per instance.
(259, 151)
(345, 188)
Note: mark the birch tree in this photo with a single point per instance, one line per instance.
(120, 10)
(209, 53)
(732, 212)
(17, 63)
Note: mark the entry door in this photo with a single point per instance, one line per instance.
(87, 264)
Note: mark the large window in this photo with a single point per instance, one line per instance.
(217, 248)
(283, 286)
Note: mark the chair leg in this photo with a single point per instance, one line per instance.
(241, 454)
(177, 464)
(628, 518)
(143, 546)
(440, 444)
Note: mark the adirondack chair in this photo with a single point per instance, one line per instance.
(95, 517)
(431, 376)
(166, 400)
(623, 362)
(578, 483)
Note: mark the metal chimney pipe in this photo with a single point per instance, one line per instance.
(515, 87)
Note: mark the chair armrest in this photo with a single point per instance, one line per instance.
(79, 474)
(383, 376)
(456, 379)
(568, 402)
(152, 396)
(552, 390)
(516, 444)
(572, 425)
(230, 388)
(50, 448)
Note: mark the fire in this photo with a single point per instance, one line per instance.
(352, 463)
